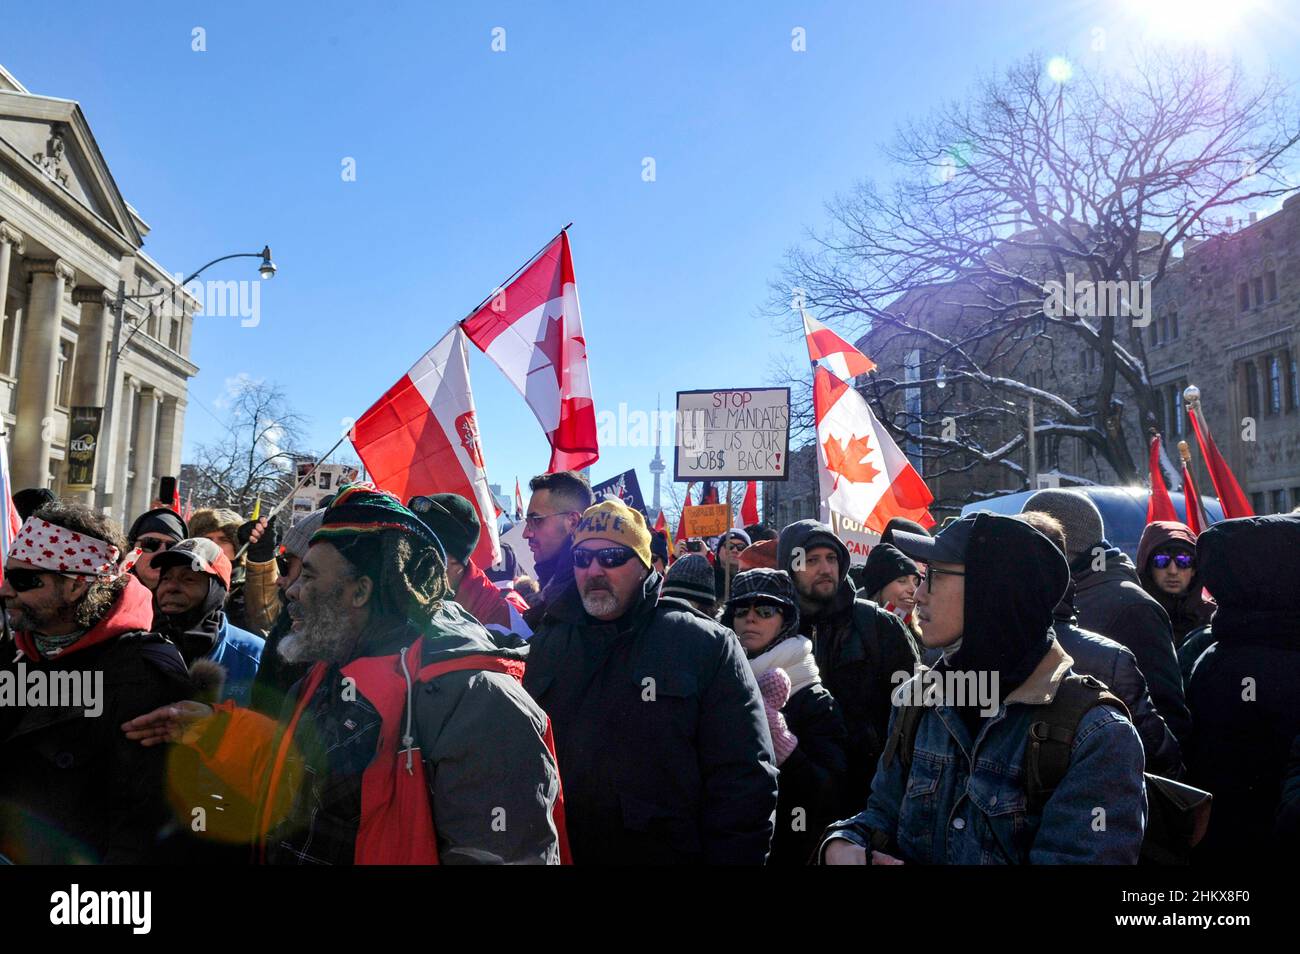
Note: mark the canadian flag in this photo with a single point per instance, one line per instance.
(532, 331)
(842, 358)
(422, 437)
(863, 474)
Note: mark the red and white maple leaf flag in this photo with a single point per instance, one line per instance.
(863, 474)
(422, 437)
(532, 331)
(844, 360)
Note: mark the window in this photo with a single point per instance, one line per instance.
(1173, 324)
(8, 342)
(1243, 296)
(1164, 328)
(1274, 385)
(1257, 502)
(63, 376)
(1258, 282)
(1292, 384)
(1153, 337)
(1252, 390)
(1270, 285)
(174, 337)
(1178, 411)
(1279, 501)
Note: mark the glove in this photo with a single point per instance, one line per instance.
(267, 545)
(774, 685)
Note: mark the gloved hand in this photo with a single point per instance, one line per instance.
(774, 685)
(263, 538)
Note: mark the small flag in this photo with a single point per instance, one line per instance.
(681, 520)
(1231, 498)
(749, 506)
(257, 509)
(1159, 504)
(844, 360)
(519, 502)
(10, 523)
(189, 505)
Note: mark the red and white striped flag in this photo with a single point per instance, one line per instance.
(844, 360)
(422, 437)
(863, 474)
(10, 524)
(532, 331)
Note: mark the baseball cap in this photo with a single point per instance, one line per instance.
(199, 554)
(948, 546)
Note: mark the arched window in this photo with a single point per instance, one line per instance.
(1274, 385)
(1252, 390)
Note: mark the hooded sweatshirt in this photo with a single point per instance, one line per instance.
(1187, 612)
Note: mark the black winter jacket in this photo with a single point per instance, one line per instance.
(660, 732)
(812, 776)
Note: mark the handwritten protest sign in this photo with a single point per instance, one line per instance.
(735, 434)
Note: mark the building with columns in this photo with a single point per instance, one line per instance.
(68, 241)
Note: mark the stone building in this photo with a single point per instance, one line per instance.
(67, 239)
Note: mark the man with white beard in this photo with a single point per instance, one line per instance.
(658, 719)
(410, 740)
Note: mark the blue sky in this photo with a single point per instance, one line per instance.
(467, 160)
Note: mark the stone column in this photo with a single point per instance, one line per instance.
(146, 428)
(168, 449)
(11, 240)
(127, 388)
(38, 367)
(89, 374)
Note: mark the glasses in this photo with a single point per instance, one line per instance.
(761, 610)
(23, 580)
(927, 579)
(534, 521)
(608, 557)
(152, 545)
(1184, 561)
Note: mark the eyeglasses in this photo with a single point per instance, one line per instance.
(534, 521)
(152, 545)
(761, 610)
(1184, 561)
(23, 580)
(930, 573)
(609, 557)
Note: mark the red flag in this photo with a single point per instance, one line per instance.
(1196, 521)
(661, 528)
(189, 505)
(10, 523)
(1226, 488)
(708, 493)
(862, 473)
(519, 502)
(749, 506)
(532, 331)
(681, 520)
(844, 360)
(422, 438)
(1159, 504)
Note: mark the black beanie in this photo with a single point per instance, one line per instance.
(885, 564)
(453, 520)
(163, 520)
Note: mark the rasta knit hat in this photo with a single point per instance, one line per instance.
(615, 521)
(690, 578)
(453, 520)
(362, 509)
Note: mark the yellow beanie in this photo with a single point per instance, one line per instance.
(615, 520)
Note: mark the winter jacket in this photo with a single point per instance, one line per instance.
(661, 731)
(74, 788)
(1243, 691)
(1193, 647)
(959, 809)
(860, 651)
(500, 611)
(812, 776)
(555, 576)
(480, 736)
(275, 677)
(1112, 602)
(1185, 612)
(1113, 664)
(253, 602)
(239, 653)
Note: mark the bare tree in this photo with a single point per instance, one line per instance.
(256, 455)
(1028, 187)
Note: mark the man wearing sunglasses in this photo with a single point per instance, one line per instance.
(74, 788)
(1166, 562)
(152, 533)
(557, 503)
(658, 719)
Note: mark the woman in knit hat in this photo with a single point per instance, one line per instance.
(890, 579)
(808, 733)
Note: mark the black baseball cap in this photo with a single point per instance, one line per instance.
(949, 546)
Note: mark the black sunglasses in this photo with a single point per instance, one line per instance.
(152, 545)
(23, 580)
(1184, 561)
(609, 557)
(762, 610)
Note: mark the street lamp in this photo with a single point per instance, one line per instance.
(266, 269)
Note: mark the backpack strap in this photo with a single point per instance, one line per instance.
(1051, 734)
(902, 737)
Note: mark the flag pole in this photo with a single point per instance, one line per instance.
(726, 569)
(305, 477)
(515, 273)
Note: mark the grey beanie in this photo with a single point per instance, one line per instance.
(1078, 515)
(690, 577)
(299, 535)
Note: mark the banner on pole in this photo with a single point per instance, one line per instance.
(324, 483)
(83, 443)
(624, 487)
(733, 434)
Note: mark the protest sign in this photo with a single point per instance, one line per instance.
(624, 487)
(733, 434)
(706, 520)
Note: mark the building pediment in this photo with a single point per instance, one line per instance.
(50, 140)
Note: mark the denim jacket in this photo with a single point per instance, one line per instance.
(967, 806)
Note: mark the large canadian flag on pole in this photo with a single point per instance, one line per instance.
(422, 437)
(863, 474)
(532, 329)
(844, 360)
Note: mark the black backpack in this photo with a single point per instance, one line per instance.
(1177, 814)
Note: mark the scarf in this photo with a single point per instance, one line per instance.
(793, 654)
(195, 631)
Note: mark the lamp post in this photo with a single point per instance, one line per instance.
(266, 270)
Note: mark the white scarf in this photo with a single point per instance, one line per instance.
(793, 654)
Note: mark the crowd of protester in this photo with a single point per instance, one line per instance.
(355, 688)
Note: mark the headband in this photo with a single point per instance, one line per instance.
(49, 546)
